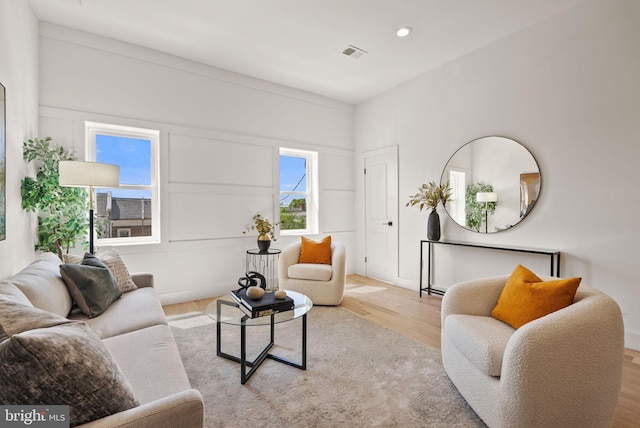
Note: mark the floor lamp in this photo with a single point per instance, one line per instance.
(486, 197)
(91, 175)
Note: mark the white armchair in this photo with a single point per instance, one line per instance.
(561, 370)
(323, 284)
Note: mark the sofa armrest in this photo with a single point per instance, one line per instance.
(565, 359)
(142, 279)
(475, 297)
(181, 410)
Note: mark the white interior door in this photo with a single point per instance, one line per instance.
(381, 214)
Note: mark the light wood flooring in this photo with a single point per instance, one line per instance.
(404, 311)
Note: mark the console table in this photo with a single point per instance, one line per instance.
(554, 257)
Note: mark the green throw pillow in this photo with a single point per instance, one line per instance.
(91, 285)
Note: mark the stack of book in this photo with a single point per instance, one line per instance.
(267, 305)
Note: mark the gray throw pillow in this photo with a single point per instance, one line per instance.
(111, 259)
(48, 359)
(91, 285)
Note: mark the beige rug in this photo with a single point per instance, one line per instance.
(359, 374)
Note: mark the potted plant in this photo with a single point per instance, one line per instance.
(265, 229)
(430, 195)
(62, 211)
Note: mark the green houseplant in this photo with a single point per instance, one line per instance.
(62, 211)
(429, 196)
(475, 211)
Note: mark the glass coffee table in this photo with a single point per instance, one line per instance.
(224, 310)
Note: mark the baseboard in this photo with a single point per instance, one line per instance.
(632, 340)
(187, 295)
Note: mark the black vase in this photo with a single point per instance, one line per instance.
(433, 226)
(263, 245)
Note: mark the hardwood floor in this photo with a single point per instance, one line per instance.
(405, 312)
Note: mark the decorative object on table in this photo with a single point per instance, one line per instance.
(486, 197)
(255, 293)
(430, 195)
(476, 211)
(265, 229)
(62, 211)
(266, 305)
(280, 294)
(252, 279)
(91, 175)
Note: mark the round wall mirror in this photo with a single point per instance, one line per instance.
(495, 183)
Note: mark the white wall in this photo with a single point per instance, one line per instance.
(569, 90)
(18, 74)
(220, 134)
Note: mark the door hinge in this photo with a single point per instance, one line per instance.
(365, 171)
(365, 259)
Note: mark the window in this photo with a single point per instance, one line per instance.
(298, 192)
(129, 214)
(457, 205)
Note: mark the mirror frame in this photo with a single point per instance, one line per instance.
(524, 207)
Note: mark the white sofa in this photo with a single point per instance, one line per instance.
(323, 284)
(561, 370)
(135, 333)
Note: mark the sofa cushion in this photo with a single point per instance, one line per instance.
(47, 359)
(42, 284)
(525, 297)
(11, 292)
(155, 352)
(132, 311)
(112, 259)
(482, 340)
(315, 252)
(91, 284)
(310, 271)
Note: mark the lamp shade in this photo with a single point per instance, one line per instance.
(85, 174)
(486, 197)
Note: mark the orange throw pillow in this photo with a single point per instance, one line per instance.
(525, 297)
(315, 252)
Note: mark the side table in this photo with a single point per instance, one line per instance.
(266, 264)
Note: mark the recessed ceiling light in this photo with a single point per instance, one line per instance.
(404, 31)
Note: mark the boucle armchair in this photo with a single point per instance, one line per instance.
(323, 284)
(561, 370)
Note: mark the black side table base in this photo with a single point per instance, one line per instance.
(253, 365)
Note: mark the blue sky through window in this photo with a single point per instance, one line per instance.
(134, 158)
(292, 176)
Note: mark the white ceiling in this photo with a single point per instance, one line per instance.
(299, 43)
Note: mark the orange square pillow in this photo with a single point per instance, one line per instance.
(525, 297)
(315, 252)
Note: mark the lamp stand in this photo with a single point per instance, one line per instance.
(486, 217)
(91, 219)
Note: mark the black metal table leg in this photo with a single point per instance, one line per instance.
(264, 354)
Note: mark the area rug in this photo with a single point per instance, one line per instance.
(359, 374)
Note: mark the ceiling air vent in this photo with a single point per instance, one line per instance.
(353, 52)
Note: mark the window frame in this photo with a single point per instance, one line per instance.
(311, 193)
(94, 128)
